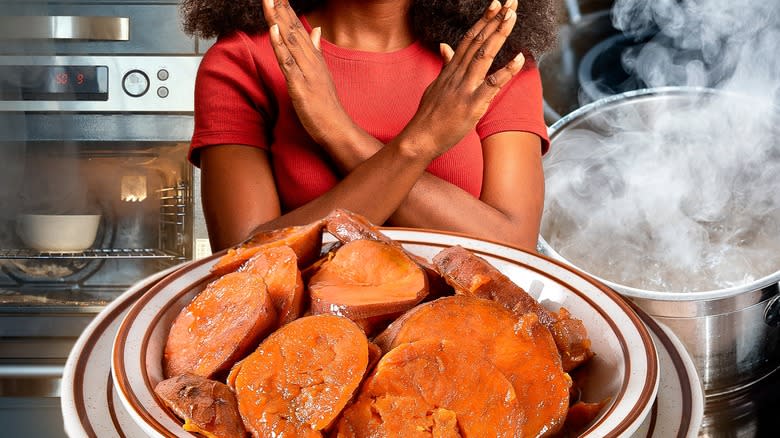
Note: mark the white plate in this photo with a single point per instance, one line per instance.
(679, 406)
(625, 368)
(90, 406)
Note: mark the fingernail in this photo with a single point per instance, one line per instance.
(520, 58)
(511, 13)
(507, 3)
(495, 4)
(275, 30)
(269, 4)
(318, 37)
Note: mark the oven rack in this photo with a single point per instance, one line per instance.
(113, 253)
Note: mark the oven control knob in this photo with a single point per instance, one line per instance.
(135, 83)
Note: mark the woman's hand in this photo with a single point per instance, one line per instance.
(454, 102)
(309, 83)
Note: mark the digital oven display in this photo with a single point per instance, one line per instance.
(54, 82)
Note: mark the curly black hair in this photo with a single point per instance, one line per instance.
(433, 21)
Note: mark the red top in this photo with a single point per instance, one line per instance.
(241, 98)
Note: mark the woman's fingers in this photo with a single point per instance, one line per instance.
(475, 32)
(446, 52)
(299, 49)
(484, 55)
(284, 57)
(496, 21)
(496, 80)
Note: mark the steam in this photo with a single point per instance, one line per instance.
(723, 44)
(680, 193)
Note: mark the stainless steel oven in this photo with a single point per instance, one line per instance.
(95, 121)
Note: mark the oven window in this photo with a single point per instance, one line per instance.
(81, 221)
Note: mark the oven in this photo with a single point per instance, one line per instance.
(96, 101)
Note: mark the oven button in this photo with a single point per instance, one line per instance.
(162, 74)
(162, 92)
(135, 83)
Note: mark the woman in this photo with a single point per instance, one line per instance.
(307, 106)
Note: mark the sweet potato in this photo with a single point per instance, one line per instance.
(367, 278)
(278, 266)
(347, 226)
(580, 415)
(572, 340)
(305, 240)
(219, 326)
(300, 378)
(519, 346)
(433, 388)
(207, 407)
(472, 275)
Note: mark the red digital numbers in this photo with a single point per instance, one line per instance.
(61, 78)
(80, 78)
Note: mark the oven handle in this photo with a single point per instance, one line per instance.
(30, 371)
(65, 27)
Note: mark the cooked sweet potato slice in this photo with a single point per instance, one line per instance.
(347, 226)
(305, 240)
(472, 275)
(433, 388)
(580, 415)
(219, 326)
(207, 407)
(367, 278)
(301, 377)
(519, 346)
(572, 340)
(278, 266)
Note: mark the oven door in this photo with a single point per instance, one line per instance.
(133, 169)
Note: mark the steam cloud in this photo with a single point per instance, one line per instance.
(670, 197)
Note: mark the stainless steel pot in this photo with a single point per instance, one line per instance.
(732, 333)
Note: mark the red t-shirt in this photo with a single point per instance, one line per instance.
(241, 98)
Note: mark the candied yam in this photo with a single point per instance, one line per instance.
(472, 275)
(278, 266)
(580, 415)
(432, 388)
(519, 346)
(305, 240)
(572, 340)
(367, 278)
(301, 377)
(347, 226)
(207, 407)
(219, 326)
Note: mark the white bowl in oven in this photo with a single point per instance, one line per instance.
(625, 369)
(58, 232)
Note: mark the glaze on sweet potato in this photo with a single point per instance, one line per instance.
(433, 388)
(472, 275)
(300, 378)
(278, 266)
(207, 407)
(519, 346)
(365, 279)
(219, 326)
(305, 240)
